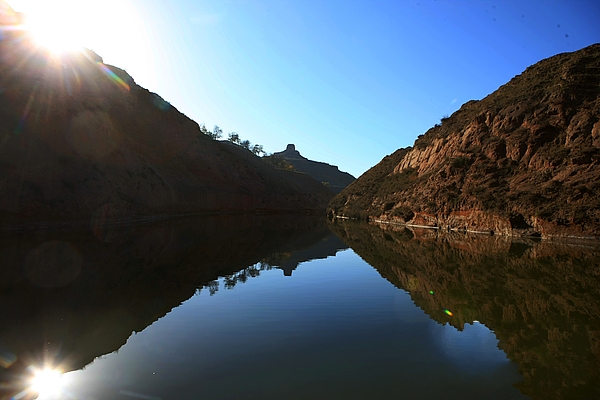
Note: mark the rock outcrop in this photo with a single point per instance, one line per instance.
(522, 161)
(328, 175)
(80, 139)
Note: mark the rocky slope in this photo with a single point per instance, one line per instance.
(329, 175)
(538, 297)
(80, 139)
(522, 161)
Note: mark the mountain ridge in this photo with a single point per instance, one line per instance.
(521, 161)
(329, 175)
(80, 140)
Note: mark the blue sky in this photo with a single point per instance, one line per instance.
(347, 81)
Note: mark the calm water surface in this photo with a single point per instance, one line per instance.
(307, 316)
(334, 329)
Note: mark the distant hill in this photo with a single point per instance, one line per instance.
(329, 175)
(80, 139)
(525, 160)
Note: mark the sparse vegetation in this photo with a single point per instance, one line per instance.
(403, 212)
(389, 205)
(233, 137)
(423, 140)
(278, 162)
(461, 162)
(215, 134)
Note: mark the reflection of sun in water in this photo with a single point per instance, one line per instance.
(47, 383)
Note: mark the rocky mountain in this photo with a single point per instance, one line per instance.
(329, 175)
(523, 161)
(80, 139)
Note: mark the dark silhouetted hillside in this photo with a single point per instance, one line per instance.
(80, 139)
(329, 175)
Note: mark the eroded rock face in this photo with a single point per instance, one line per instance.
(80, 139)
(524, 160)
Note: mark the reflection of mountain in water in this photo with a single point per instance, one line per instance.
(288, 262)
(68, 297)
(540, 298)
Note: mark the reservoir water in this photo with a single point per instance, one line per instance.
(290, 307)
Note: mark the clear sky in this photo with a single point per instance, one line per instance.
(347, 81)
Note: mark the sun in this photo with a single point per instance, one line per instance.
(69, 25)
(116, 30)
(60, 25)
(46, 383)
(56, 37)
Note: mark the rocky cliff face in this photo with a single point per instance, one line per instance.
(522, 161)
(80, 139)
(329, 175)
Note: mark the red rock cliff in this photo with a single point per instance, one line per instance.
(523, 160)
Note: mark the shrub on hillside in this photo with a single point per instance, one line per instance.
(278, 163)
(403, 213)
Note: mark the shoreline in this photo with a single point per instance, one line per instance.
(594, 239)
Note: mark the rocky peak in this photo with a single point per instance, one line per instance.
(290, 153)
(329, 175)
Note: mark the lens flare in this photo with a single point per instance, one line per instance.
(114, 77)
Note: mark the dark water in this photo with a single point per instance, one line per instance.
(290, 307)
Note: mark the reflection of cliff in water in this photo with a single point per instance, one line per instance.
(288, 262)
(68, 297)
(540, 298)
